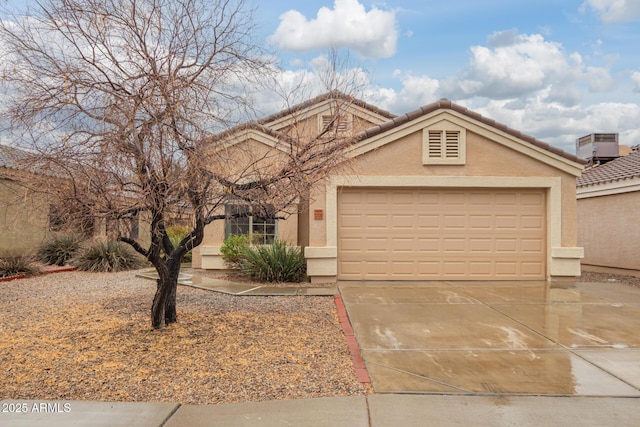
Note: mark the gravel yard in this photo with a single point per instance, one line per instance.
(87, 336)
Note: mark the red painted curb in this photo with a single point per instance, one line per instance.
(46, 270)
(356, 357)
(10, 278)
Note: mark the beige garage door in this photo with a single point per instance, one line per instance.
(436, 234)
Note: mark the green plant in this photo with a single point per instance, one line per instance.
(233, 249)
(11, 265)
(59, 249)
(276, 262)
(107, 256)
(176, 233)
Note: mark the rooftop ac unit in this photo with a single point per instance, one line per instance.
(597, 146)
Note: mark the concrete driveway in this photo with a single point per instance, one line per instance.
(530, 338)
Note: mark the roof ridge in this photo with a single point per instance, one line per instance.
(334, 94)
(446, 104)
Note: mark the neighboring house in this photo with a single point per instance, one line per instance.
(28, 218)
(440, 193)
(24, 215)
(608, 214)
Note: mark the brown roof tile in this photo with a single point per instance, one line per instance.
(329, 95)
(621, 168)
(446, 104)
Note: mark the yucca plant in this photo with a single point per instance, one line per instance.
(59, 249)
(107, 256)
(276, 262)
(12, 265)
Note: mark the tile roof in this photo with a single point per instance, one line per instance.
(329, 95)
(446, 104)
(9, 155)
(621, 168)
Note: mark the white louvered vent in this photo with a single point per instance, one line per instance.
(435, 144)
(452, 144)
(444, 144)
(343, 123)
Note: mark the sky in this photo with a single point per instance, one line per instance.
(552, 69)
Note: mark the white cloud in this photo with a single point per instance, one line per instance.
(560, 126)
(416, 91)
(614, 11)
(371, 34)
(635, 78)
(514, 65)
(599, 79)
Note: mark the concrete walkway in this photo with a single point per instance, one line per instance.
(524, 305)
(373, 410)
(243, 289)
(498, 338)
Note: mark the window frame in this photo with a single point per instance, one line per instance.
(252, 222)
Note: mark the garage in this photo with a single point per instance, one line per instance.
(441, 233)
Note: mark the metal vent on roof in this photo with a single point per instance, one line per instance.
(597, 147)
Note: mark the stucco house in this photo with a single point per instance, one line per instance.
(28, 217)
(440, 193)
(608, 212)
(24, 216)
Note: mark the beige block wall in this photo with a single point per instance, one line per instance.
(609, 232)
(24, 219)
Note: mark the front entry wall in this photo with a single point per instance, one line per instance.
(434, 234)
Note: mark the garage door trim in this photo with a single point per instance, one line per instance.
(552, 184)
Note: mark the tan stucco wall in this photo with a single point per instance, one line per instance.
(484, 158)
(608, 230)
(24, 219)
(493, 163)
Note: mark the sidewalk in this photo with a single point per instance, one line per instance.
(373, 410)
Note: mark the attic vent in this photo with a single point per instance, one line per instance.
(451, 144)
(444, 146)
(340, 124)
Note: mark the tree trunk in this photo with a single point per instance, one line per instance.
(163, 310)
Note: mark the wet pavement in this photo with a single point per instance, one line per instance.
(523, 338)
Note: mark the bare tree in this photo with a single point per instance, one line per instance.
(125, 104)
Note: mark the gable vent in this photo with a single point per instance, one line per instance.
(444, 143)
(342, 125)
(452, 144)
(435, 144)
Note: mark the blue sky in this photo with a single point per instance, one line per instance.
(553, 69)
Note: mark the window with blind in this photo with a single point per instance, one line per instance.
(444, 144)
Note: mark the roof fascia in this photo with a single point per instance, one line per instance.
(256, 135)
(608, 188)
(483, 129)
(321, 107)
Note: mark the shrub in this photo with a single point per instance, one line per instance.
(11, 265)
(276, 262)
(107, 256)
(233, 250)
(176, 233)
(59, 249)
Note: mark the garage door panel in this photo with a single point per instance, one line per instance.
(454, 222)
(429, 222)
(454, 245)
(413, 234)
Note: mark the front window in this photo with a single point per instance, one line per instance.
(243, 219)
